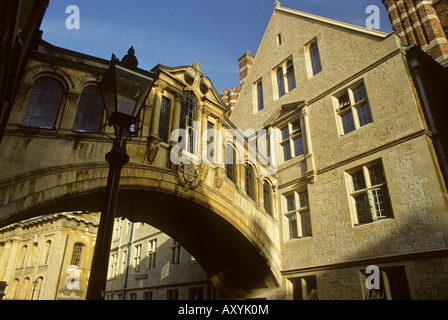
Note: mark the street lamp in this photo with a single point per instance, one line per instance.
(35, 283)
(124, 88)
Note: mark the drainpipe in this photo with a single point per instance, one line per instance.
(129, 260)
(60, 270)
(415, 67)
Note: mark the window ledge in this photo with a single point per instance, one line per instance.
(374, 224)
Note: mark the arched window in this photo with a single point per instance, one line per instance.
(89, 112)
(46, 253)
(43, 104)
(164, 121)
(77, 254)
(188, 114)
(250, 181)
(230, 163)
(267, 197)
(24, 289)
(37, 288)
(22, 256)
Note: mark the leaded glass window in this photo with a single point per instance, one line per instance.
(370, 194)
(267, 197)
(188, 115)
(76, 255)
(260, 95)
(315, 59)
(230, 163)
(354, 109)
(280, 82)
(250, 181)
(43, 104)
(164, 119)
(89, 112)
(290, 75)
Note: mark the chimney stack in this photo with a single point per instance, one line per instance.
(245, 62)
(417, 22)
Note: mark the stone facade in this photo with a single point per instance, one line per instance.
(146, 264)
(331, 259)
(359, 182)
(48, 258)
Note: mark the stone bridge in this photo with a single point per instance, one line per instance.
(216, 217)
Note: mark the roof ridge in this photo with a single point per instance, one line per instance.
(333, 22)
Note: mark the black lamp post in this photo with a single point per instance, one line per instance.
(124, 89)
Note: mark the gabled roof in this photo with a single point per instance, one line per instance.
(332, 22)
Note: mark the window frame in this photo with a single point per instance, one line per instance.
(268, 194)
(165, 127)
(352, 106)
(294, 134)
(191, 117)
(77, 255)
(251, 190)
(364, 193)
(258, 93)
(82, 127)
(28, 114)
(302, 228)
(281, 76)
(152, 254)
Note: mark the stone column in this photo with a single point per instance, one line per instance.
(310, 166)
(19, 103)
(219, 144)
(155, 118)
(204, 122)
(69, 111)
(176, 116)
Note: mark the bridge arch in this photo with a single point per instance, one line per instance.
(232, 239)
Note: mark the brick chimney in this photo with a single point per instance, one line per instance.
(418, 22)
(245, 62)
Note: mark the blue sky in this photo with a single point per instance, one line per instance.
(180, 32)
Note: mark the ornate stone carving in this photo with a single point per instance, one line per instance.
(220, 173)
(190, 175)
(153, 145)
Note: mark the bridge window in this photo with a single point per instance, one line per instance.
(188, 115)
(77, 254)
(230, 163)
(164, 119)
(43, 104)
(267, 197)
(250, 181)
(176, 253)
(89, 113)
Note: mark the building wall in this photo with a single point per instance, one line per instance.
(337, 253)
(48, 265)
(145, 264)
